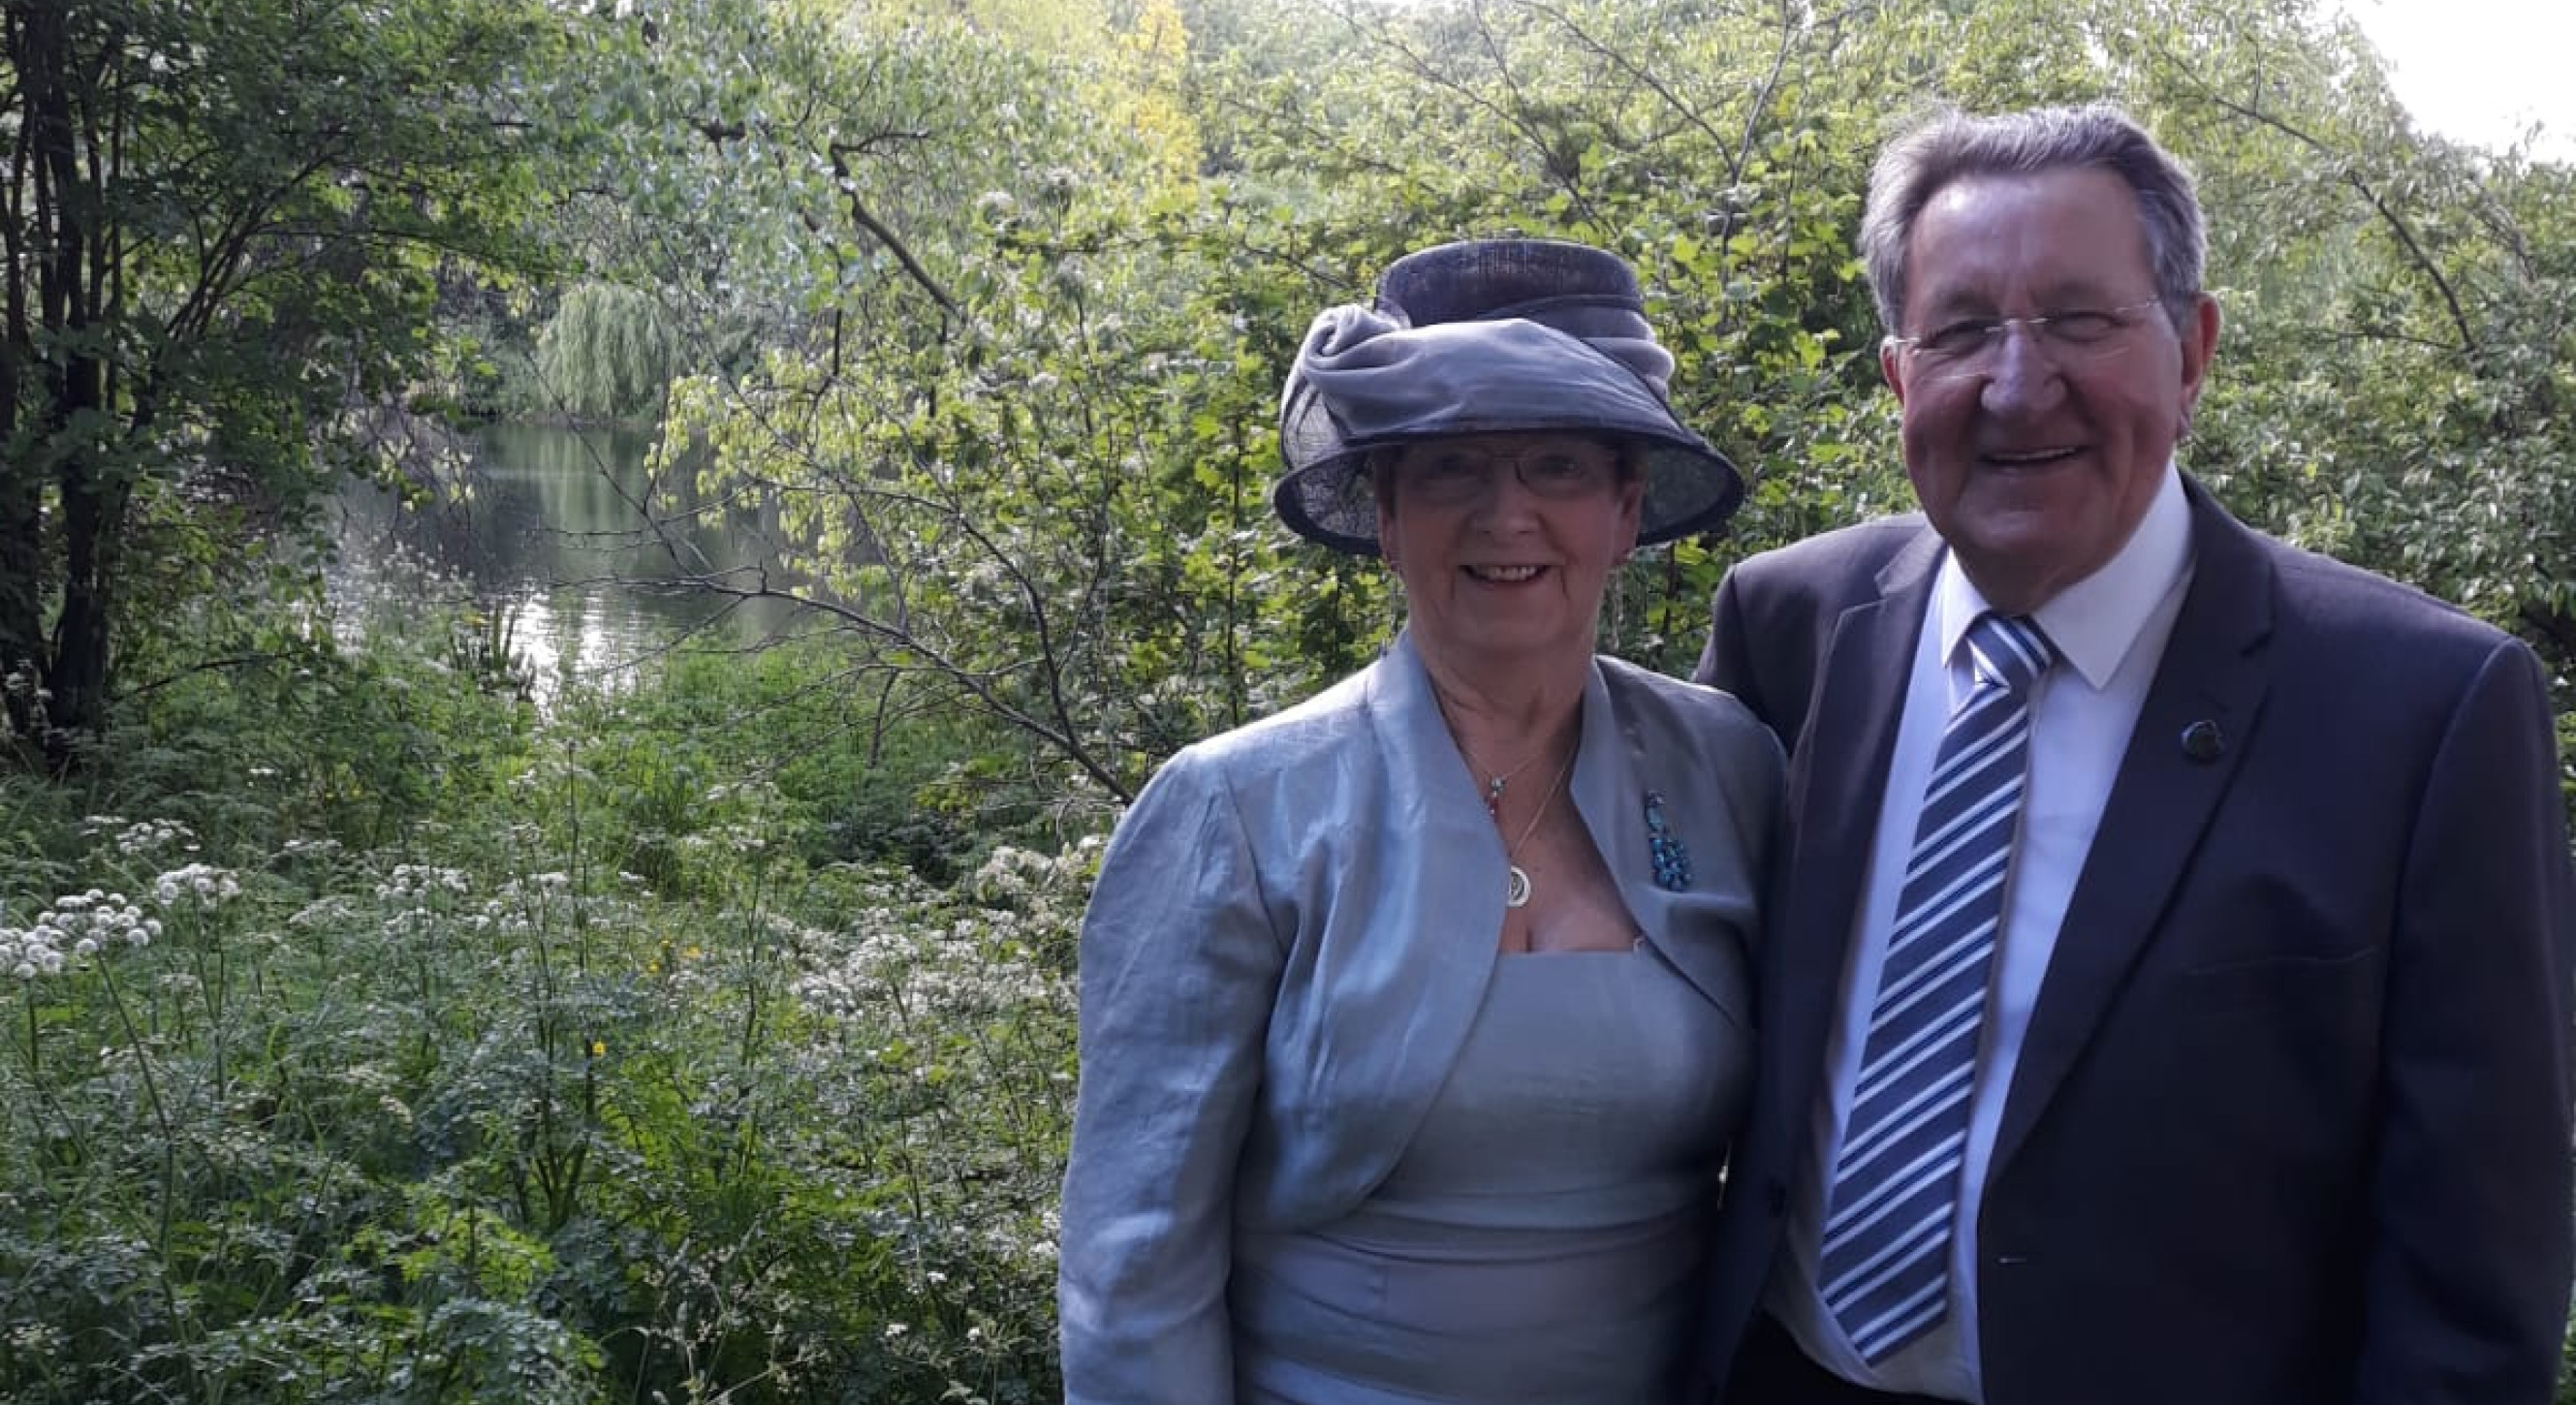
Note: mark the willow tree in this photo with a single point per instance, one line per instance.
(607, 353)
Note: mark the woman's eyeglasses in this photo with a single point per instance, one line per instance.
(1461, 474)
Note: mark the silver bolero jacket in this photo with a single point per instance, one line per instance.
(1291, 933)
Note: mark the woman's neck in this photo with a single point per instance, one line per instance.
(1507, 718)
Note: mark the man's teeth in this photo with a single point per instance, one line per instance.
(1504, 573)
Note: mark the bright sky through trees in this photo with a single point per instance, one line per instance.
(2480, 71)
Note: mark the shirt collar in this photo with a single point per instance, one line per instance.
(2096, 621)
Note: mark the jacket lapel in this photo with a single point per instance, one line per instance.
(1835, 795)
(2214, 671)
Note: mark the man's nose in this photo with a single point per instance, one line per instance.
(2024, 376)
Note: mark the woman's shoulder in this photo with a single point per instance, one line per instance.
(1644, 693)
(1285, 741)
(1681, 729)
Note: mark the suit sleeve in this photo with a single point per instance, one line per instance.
(1179, 967)
(2466, 1296)
(1726, 662)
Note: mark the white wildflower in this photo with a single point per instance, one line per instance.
(201, 885)
(146, 838)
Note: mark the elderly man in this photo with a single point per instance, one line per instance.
(2168, 1001)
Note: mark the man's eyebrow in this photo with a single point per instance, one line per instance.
(1956, 303)
(1970, 305)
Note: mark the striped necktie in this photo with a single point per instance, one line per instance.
(1885, 1257)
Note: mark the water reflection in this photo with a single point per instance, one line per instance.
(544, 529)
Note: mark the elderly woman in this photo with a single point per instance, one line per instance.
(1414, 1018)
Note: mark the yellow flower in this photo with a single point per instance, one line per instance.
(598, 1048)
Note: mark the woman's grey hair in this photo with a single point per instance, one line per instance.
(1954, 146)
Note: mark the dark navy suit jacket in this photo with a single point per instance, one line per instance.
(2291, 1122)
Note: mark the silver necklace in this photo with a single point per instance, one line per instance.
(1516, 885)
(1496, 780)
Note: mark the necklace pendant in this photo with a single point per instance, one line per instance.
(1516, 891)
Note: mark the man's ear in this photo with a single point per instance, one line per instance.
(2199, 348)
(1891, 366)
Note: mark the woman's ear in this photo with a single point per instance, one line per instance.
(1380, 468)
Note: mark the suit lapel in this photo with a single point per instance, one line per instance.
(2214, 671)
(1835, 800)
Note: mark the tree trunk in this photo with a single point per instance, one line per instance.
(79, 674)
(22, 616)
(72, 281)
(22, 527)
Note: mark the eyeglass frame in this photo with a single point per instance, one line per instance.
(1394, 470)
(1994, 332)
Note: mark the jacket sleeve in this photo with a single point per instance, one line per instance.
(1761, 650)
(2468, 1264)
(1725, 660)
(1180, 965)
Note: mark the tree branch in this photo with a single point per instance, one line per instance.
(2414, 247)
(841, 152)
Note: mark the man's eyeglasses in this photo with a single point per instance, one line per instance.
(1455, 474)
(1973, 343)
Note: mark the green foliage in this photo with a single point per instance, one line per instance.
(248, 207)
(608, 353)
(855, 774)
(333, 1097)
(1039, 493)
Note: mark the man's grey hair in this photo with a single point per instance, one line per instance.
(1954, 146)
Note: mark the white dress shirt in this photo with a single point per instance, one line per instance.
(2110, 630)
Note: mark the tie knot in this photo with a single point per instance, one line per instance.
(2010, 650)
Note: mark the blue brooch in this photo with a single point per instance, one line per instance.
(1672, 861)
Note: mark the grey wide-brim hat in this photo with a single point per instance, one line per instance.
(1488, 336)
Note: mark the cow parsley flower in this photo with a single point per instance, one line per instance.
(198, 884)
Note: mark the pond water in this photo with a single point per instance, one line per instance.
(548, 539)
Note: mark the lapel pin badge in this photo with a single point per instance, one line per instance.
(2202, 741)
